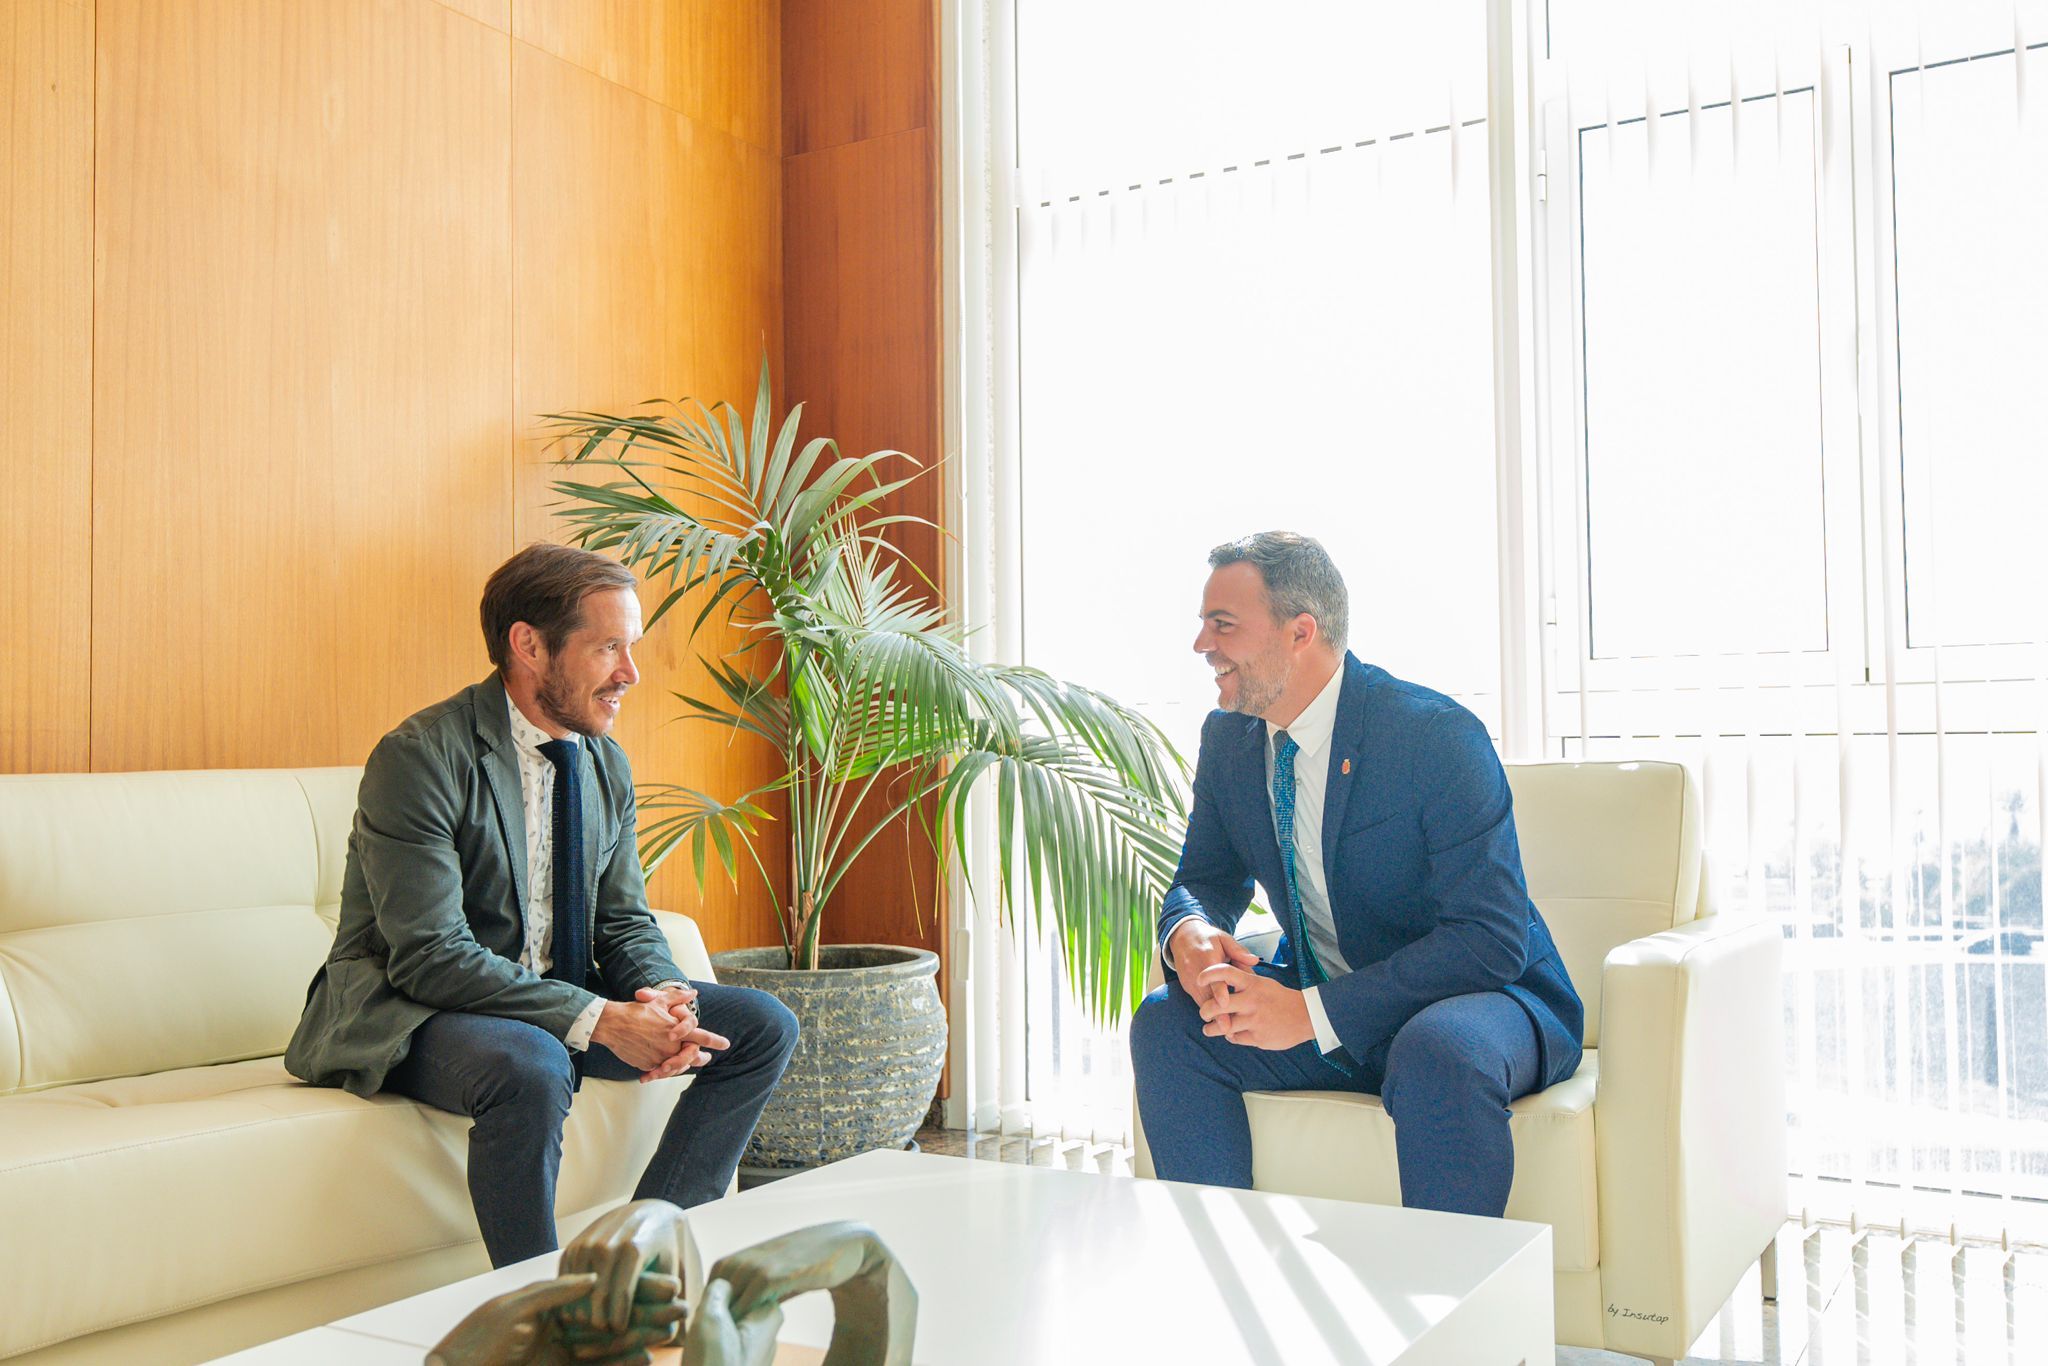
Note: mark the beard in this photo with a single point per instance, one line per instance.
(1260, 681)
(558, 699)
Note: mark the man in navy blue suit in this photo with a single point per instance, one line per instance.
(1375, 816)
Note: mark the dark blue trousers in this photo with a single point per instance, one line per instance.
(516, 1080)
(1446, 1078)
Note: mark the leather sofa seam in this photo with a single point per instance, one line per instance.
(312, 820)
(144, 1144)
(225, 1060)
(20, 1039)
(1647, 903)
(155, 916)
(332, 1268)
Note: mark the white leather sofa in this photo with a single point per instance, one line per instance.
(1660, 1166)
(168, 1193)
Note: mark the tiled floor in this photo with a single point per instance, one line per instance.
(1867, 1299)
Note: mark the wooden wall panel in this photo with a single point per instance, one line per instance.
(302, 383)
(736, 68)
(860, 282)
(604, 301)
(857, 69)
(649, 272)
(261, 456)
(860, 275)
(715, 60)
(496, 13)
(735, 239)
(45, 384)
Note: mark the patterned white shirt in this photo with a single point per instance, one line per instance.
(537, 796)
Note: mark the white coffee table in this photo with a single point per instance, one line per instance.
(1028, 1264)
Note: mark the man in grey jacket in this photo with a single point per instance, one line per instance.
(495, 945)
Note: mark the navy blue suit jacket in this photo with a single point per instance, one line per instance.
(1419, 855)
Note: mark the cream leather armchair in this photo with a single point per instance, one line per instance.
(1660, 1166)
(168, 1193)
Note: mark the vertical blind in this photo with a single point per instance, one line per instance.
(1793, 447)
(1253, 292)
(1790, 297)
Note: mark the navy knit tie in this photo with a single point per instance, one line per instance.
(570, 950)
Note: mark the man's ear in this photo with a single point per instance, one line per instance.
(527, 646)
(1306, 629)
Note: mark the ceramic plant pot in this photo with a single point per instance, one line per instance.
(868, 1062)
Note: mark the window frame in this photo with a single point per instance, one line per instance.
(1892, 54)
(1865, 502)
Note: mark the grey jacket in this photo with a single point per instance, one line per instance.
(432, 902)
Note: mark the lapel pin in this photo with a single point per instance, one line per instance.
(1347, 767)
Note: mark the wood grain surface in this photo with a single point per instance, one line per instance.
(717, 61)
(496, 13)
(860, 269)
(302, 392)
(857, 69)
(654, 297)
(286, 284)
(45, 385)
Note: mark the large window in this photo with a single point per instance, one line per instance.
(1790, 324)
(1794, 459)
(1968, 195)
(1701, 346)
(1252, 292)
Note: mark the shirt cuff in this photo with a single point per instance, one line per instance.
(578, 1037)
(1326, 1036)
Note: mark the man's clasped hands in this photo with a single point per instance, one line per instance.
(658, 1032)
(1237, 1003)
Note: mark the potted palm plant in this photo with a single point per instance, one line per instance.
(879, 713)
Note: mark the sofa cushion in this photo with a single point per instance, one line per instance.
(209, 896)
(1340, 1145)
(255, 1180)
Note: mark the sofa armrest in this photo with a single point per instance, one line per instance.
(1690, 1125)
(686, 945)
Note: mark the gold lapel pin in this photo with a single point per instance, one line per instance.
(1347, 766)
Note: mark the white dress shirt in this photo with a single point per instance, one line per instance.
(537, 795)
(1311, 731)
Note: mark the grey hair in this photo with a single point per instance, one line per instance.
(1300, 577)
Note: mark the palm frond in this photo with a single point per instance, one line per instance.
(865, 686)
(696, 818)
(1096, 855)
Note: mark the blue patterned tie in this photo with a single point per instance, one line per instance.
(1310, 970)
(570, 949)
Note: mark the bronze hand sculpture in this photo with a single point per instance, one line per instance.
(874, 1306)
(643, 1236)
(527, 1327)
(620, 1294)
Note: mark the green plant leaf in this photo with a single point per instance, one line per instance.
(865, 687)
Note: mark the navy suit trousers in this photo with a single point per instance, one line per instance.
(1446, 1078)
(516, 1081)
